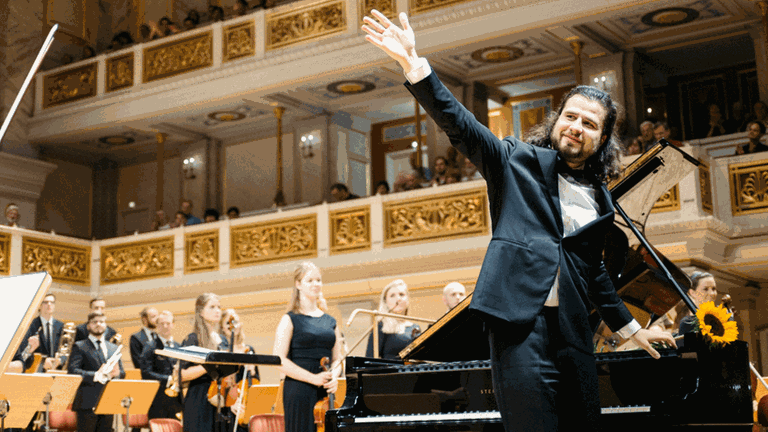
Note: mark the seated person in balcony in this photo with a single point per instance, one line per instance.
(340, 193)
(12, 215)
(215, 13)
(469, 171)
(382, 188)
(240, 8)
(180, 220)
(755, 131)
(738, 120)
(441, 167)
(647, 138)
(211, 215)
(394, 334)
(661, 130)
(194, 16)
(161, 221)
(233, 212)
(167, 27)
(149, 31)
(634, 147)
(452, 175)
(186, 208)
(88, 52)
(189, 24)
(715, 126)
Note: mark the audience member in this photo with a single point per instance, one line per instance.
(279, 199)
(189, 24)
(635, 147)
(194, 15)
(406, 182)
(423, 174)
(211, 215)
(441, 167)
(453, 294)
(453, 158)
(755, 131)
(382, 188)
(88, 52)
(186, 208)
(760, 112)
(216, 13)
(161, 221)
(715, 124)
(12, 215)
(738, 121)
(180, 220)
(167, 27)
(647, 139)
(340, 192)
(233, 212)
(149, 31)
(469, 171)
(260, 4)
(661, 130)
(452, 175)
(241, 7)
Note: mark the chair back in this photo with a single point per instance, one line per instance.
(63, 420)
(164, 425)
(266, 423)
(137, 420)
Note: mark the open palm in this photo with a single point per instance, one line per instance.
(398, 43)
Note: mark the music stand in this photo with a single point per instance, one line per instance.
(61, 394)
(120, 396)
(261, 398)
(26, 391)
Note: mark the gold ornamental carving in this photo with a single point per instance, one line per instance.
(419, 6)
(670, 201)
(178, 57)
(433, 218)
(239, 41)
(69, 86)
(5, 254)
(705, 188)
(64, 262)
(119, 72)
(282, 239)
(749, 187)
(311, 22)
(387, 7)
(201, 251)
(350, 230)
(136, 261)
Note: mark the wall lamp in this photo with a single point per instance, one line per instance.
(189, 168)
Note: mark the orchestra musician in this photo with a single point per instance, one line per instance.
(230, 315)
(159, 368)
(97, 305)
(199, 414)
(453, 294)
(88, 358)
(42, 336)
(143, 337)
(304, 336)
(543, 269)
(679, 319)
(394, 334)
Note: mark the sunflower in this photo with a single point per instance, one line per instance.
(714, 325)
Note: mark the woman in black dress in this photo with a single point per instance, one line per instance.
(199, 414)
(394, 334)
(305, 335)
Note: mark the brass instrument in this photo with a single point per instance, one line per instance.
(172, 387)
(117, 339)
(102, 375)
(66, 341)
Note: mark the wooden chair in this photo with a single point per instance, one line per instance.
(266, 423)
(137, 420)
(164, 425)
(63, 420)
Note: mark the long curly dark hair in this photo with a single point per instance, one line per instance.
(605, 163)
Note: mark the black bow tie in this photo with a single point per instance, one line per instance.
(581, 176)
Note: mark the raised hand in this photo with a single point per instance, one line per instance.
(398, 43)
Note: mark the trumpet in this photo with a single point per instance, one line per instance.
(172, 388)
(65, 345)
(102, 375)
(117, 339)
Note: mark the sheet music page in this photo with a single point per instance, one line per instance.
(22, 296)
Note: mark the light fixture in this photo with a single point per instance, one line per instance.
(413, 144)
(307, 145)
(189, 168)
(650, 110)
(132, 204)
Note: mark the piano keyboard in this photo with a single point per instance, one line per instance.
(417, 418)
(625, 410)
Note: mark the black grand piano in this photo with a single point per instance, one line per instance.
(443, 380)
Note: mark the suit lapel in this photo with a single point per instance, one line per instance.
(547, 159)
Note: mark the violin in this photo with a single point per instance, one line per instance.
(323, 405)
(242, 391)
(227, 393)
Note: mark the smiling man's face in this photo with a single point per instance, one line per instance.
(578, 132)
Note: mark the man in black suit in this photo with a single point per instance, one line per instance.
(97, 305)
(140, 339)
(42, 336)
(87, 358)
(155, 367)
(543, 269)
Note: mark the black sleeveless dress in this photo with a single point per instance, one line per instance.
(390, 344)
(199, 414)
(313, 338)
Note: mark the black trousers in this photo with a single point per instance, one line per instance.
(542, 383)
(87, 421)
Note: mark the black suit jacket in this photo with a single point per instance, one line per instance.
(85, 361)
(159, 368)
(138, 342)
(527, 247)
(44, 348)
(81, 332)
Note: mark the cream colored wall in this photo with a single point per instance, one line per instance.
(65, 202)
(137, 183)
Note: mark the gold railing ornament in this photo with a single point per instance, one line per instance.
(119, 72)
(282, 239)
(705, 187)
(670, 201)
(5, 254)
(70, 85)
(387, 7)
(201, 251)
(419, 6)
(350, 230)
(136, 261)
(64, 262)
(749, 187)
(239, 41)
(178, 57)
(308, 23)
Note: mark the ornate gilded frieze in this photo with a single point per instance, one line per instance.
(436, 217)
(387, 7)
(119, 72)
(705, 188)
(749, 187)
(178, 57)
(201, 251)
(64, 262)
(136, 261)
(419, 6)
(670, 201)
(70, 85)
(282, 239)
(5, 254)
(239, 41)
(350, 230)
(307, 23)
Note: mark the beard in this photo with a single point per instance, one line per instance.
(97, 333)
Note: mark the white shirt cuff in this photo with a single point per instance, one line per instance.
(421, 71)
(630, 329)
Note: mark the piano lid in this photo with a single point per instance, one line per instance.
(458, 335)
